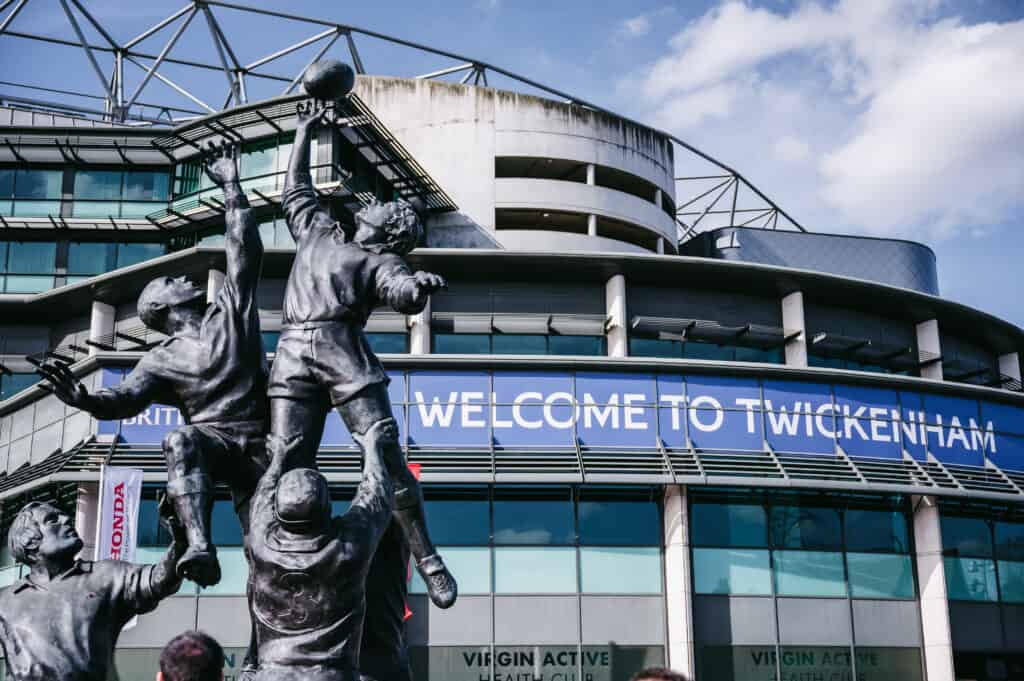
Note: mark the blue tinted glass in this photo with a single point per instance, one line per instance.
(1010, 541)
(98, 184)
(472, 564)
(150, 531)
(462, 343)
(809, 573)
(32, 257)
(970, 579)
(876, 531)
(6, 183)
(533, 517)
(146, 185)
(519, 344)
(731, 571)
(728, 525)
(825, 362)
(626, 570)
(24, 208)
(234, 571)
(651, 347)
(15, 383)
(806, 527)
(96, 209)
(1011, 581)
(618, 518)
(591, 346)
(90, 258)
(814, 663)
(3, 256)
(769, 356)
(37, 184)
(24, 283)
(137, 209)
(458, 516)
(540, 570)
(880, 575)
(224, 525)
(269, 339)
(696, 350)
(966, 537)
(396, 343)
(132, 254)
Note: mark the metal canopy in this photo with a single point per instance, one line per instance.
(710, 193)
(708, 331)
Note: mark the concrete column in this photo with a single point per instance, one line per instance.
(938, 640)
(214, 280)
(86, 506)
(1009, 365)
(657, 199)
(591, 225)
(101, 324)
(617, 324)
(419, 332)
(793, 320)
(678, 595)
(928, 342)
(591, 174)
(661, 246)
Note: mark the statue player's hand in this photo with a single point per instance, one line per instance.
(61, 382)
(221, 162)
(169, 519)
(427, 283)
(312, 114)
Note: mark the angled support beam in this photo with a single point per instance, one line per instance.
(319, 54)
(14, 13)
(95, 24)
(156, 27)
(174, 86)
(160, 58)
(88, 51)
(290, 49)
(445, 72)
(232, 84)
(357, 62)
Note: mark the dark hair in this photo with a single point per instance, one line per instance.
(192, 656)
(658, 674)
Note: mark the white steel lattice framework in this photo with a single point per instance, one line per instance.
(719, 197)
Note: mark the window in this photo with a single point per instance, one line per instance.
(809, 573)
(622, 517)
(533, 516)
(269, 340)
(758, 663)
(517, 344)
(517, 568)
(732, 571)
(119, 194)
(654, 347)
(458, 515)
(28, 266)
(984, 557)
(880, 575)
(11, 384)
(620, 569)
(471, 564)
(30, 192)
(868, 530)
(383, 343)
(729, 525)
(806, 527)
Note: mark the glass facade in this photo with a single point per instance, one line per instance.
(90, 258)
(653, 347)
(13, 383)
(984, 557)
(126, 194)
(30, 192)
(534, 663)
(516, 344)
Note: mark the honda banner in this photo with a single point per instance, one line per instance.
(118, 522)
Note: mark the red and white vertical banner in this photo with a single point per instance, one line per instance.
(117, 526)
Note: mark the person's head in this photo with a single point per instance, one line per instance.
(393, 227)
(303, 501)
(192, 656)
(167, 297)
(43, 532)
(658, 674)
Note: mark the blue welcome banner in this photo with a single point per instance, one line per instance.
(538, 409)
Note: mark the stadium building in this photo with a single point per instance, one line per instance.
(657, 420)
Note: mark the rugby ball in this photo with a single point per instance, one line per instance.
(328, 80)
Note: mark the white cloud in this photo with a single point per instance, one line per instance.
(877, 115)
(636, 27)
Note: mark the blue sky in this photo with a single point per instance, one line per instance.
(899, 118)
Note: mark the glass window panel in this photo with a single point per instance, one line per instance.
(27, 284)
(397, 343)
(3, 256)
(134, 253)
(696, 350)
(533, 517)
(462, 343)
(737, 663)
(225, 528)
(619, 517)
(6, 182)
(876, 531)
(729, 525)
(11, 384)
(96, 209)
(90, 258)
(98, 184)
(151, 532)
(769, 356)
(458, 516)
(622, 569)
(651, 347)
(267, 230)
(966, 537)
(807, 662)
(234, 571)
(32, 257)
(883, 664)
(1011, 581)
(451, 663)
(971, 579)
(472, 564)
(146, 185)
(35, 209)
(614, 662)
(212, 240)
(38, 184)
(534, 570)
(137, 209)
(519, 344)
(148, 555)
(806, 527)
(591, 346)
(1010, 541)
(880, 575)
(731, 571)
(270, 339)
(809, 573)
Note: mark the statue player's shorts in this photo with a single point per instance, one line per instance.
(318, 358)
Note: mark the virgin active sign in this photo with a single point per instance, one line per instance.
(536, 409)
